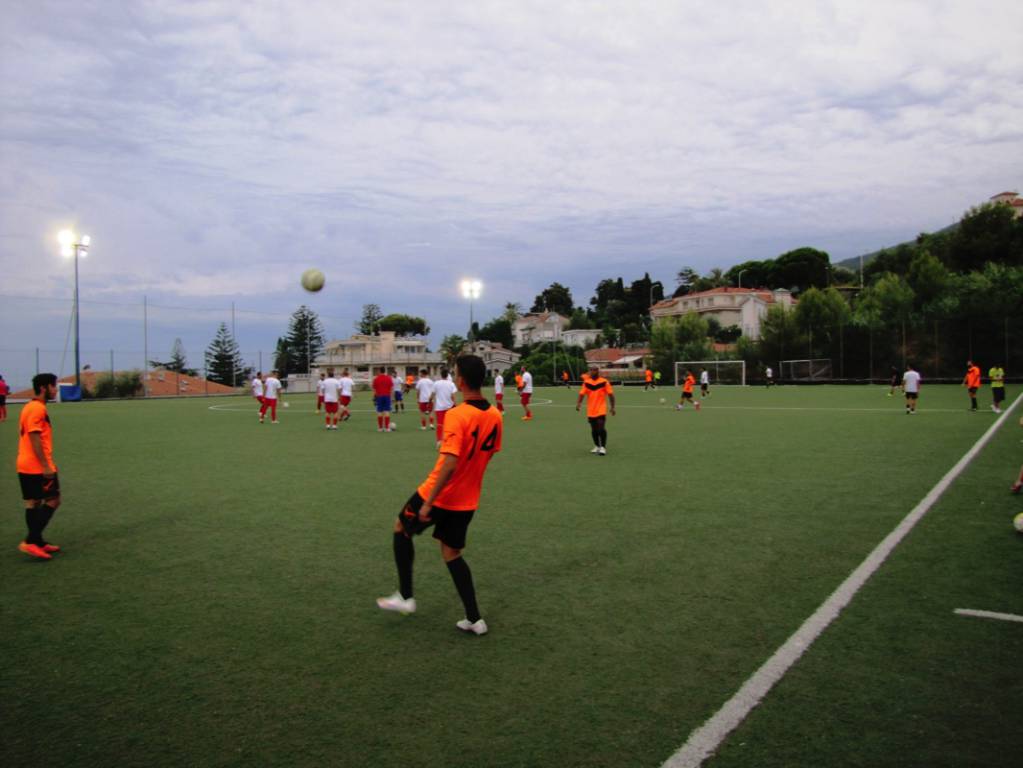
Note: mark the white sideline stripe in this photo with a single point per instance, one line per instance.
(671, 405)
(255, 409)
(988, 614)
(708, 737)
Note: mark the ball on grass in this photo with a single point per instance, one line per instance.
(313, 280)
(286, 404)
(663, 401)
(1017, 522)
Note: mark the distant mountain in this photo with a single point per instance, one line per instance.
(854, 262)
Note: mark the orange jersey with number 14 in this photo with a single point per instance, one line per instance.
(472, 432)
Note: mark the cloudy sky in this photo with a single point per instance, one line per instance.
(214, 150)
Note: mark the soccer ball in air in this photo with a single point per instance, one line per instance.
(313, 280)
(1017, 522)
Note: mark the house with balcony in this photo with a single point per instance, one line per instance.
(363, 353)
(536, 327)
(495, 356)
(742, 307)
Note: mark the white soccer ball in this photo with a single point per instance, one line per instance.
(287, 405)
(313, 280)
(663, 401)
(1017, 522)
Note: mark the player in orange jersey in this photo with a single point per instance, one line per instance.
(648, 378)
(597, 390)
(37, 472)
(972, 382)
(687, 392)
(449, 496)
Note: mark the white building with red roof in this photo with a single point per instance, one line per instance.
(535, 327)
(1012, 199)
(742, 307)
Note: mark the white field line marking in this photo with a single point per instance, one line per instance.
(989, 615)
(708, 737)
(255, 409)
(671, 406)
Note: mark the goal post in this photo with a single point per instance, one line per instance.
(721, 371)
(816, 369)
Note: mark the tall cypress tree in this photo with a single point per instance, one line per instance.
(305, 339)
(223, 359)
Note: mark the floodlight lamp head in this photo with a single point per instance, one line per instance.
(86, 240)
(65, 237)
(67, 251)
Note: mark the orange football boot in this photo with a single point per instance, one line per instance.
(35, 550)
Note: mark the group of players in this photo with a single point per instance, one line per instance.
(909, 382)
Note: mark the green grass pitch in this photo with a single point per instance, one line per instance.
(214, 605)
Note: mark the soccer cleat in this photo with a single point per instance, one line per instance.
(34, 550)
(275, 422)
(260, 419)
(697, 405)
(51, 548)
(1016, 487)
(398, 604)
(596, 449)
(476, 627)
(602, 451)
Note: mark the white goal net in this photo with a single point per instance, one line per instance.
(721, 371)
(818, 369)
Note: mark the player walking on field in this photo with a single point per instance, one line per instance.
(449, 496)
(271, 389)
(972, 382)
(648, 377)
(911, 387)
(331, 399)
(4, 391)
(598, 391)
(319, 392)
(704, 383)
(257, 390)
(345, 398)
(687, 392)
(424, 396)
(382, 385)
(499, 392)
(443, 401)
(37, 472)
(997, 376)
(526, 393)
(399, 399)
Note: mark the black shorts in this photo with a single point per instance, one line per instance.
(998, 394)
(972, 391)
(39, 487)
(597, 421)
(687, 395)
(450, 526)
(912, 395)
(3, 400)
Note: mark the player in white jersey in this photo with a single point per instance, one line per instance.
(257, 388)
(271, 390)
(331, 399)
(319, 392)
(704, 383)
(443, 401)
(911, 386)
(398, 391)
(424, 394)
(526, 393)
(499, 392)
(347, 388)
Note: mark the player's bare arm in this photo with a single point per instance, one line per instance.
(37, 447)
(611, 399)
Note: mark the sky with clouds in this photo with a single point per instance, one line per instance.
(214, 150)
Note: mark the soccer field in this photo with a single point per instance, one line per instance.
(214, 603)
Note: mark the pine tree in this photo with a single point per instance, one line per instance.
(223, 360)
(281, 355)
(305, 340)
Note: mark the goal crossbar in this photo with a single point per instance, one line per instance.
(810, 369)
(721, 371)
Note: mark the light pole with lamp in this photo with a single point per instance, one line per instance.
(471, 290)
(740, 276)
(75, 247)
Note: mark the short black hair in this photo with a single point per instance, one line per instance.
(42, 380)
(444, 371)
(472, 369)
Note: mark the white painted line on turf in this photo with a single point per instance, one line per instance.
(708, 737)
(989, 615)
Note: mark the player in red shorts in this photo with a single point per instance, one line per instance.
(443, 401)
(499, 392)
(526, 392)
(424, 395)
(257, 388)
(319, 392)
(347, 388)
(331, 389)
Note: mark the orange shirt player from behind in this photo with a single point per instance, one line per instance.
(37, 471)
(449, 496)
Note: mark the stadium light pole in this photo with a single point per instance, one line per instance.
(72, 246)
(740, 276)
(471, 290)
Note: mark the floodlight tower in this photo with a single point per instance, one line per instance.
(471, 290)
(73, 246)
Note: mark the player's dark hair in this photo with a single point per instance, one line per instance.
(42, 380)
(444, 372)
(472, 369)
(423, 372)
